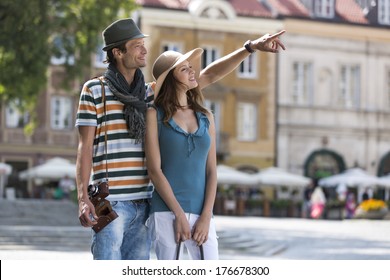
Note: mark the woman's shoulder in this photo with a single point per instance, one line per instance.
(152, 107)
(207, 115)
(154, 111)
(151, 110)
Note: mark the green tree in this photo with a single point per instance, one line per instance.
(29, 34)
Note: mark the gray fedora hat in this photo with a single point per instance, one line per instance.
(119, 32)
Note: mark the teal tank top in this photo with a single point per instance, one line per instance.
(183, 162)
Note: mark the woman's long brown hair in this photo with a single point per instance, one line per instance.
(167, 98)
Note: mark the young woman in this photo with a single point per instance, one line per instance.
(180, 149)
(181, 159)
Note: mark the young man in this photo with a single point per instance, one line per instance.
(111, 134)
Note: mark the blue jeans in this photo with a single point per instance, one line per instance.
(125, 238)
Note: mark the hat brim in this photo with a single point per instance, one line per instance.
(193, 57)
(113, 45)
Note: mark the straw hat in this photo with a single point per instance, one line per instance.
(121, 31)
(171, 59)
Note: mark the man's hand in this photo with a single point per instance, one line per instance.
(268, 43)
(86, 210)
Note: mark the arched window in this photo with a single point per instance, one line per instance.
(323, 163)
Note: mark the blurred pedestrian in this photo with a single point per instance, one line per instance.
(350, 206)
(306, 205)
(318, 201)
(365, 195)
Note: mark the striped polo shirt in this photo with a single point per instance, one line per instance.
(126, 164)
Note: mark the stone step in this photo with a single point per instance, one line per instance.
(44, 238)
(38, 212)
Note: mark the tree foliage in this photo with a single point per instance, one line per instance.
(28, 34)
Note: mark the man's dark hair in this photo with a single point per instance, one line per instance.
(110, 56)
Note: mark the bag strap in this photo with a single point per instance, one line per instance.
(105, 122)
(178, 251)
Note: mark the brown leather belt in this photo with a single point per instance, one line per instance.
(140, 201)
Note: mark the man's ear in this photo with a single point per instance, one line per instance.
(116, 52)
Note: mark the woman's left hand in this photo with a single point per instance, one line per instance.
(200, 231)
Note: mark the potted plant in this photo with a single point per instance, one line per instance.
(371, 209)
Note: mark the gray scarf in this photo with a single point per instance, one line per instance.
(132, 96)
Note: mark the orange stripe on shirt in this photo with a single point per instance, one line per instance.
(112, 127)
(85, 107)
(122, 183)
(110, 107)
(126, 164)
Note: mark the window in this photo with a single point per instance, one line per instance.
(13, 117)
(171, 46)
(349, 86)
(302, 83)
(248, 68)
(384, 12)
(247, 121)
(210, 54)
(61, 112)
(323, 163)
(324, 8)
(61, 55)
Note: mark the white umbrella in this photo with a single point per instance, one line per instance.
(5, 170)
(354, 177)
(278, 177)
(53, 169)
(229, 175)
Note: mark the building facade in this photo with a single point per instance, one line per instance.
(333, 99)
(54, 135)
(315, 109)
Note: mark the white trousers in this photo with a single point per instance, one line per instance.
(163, 236)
